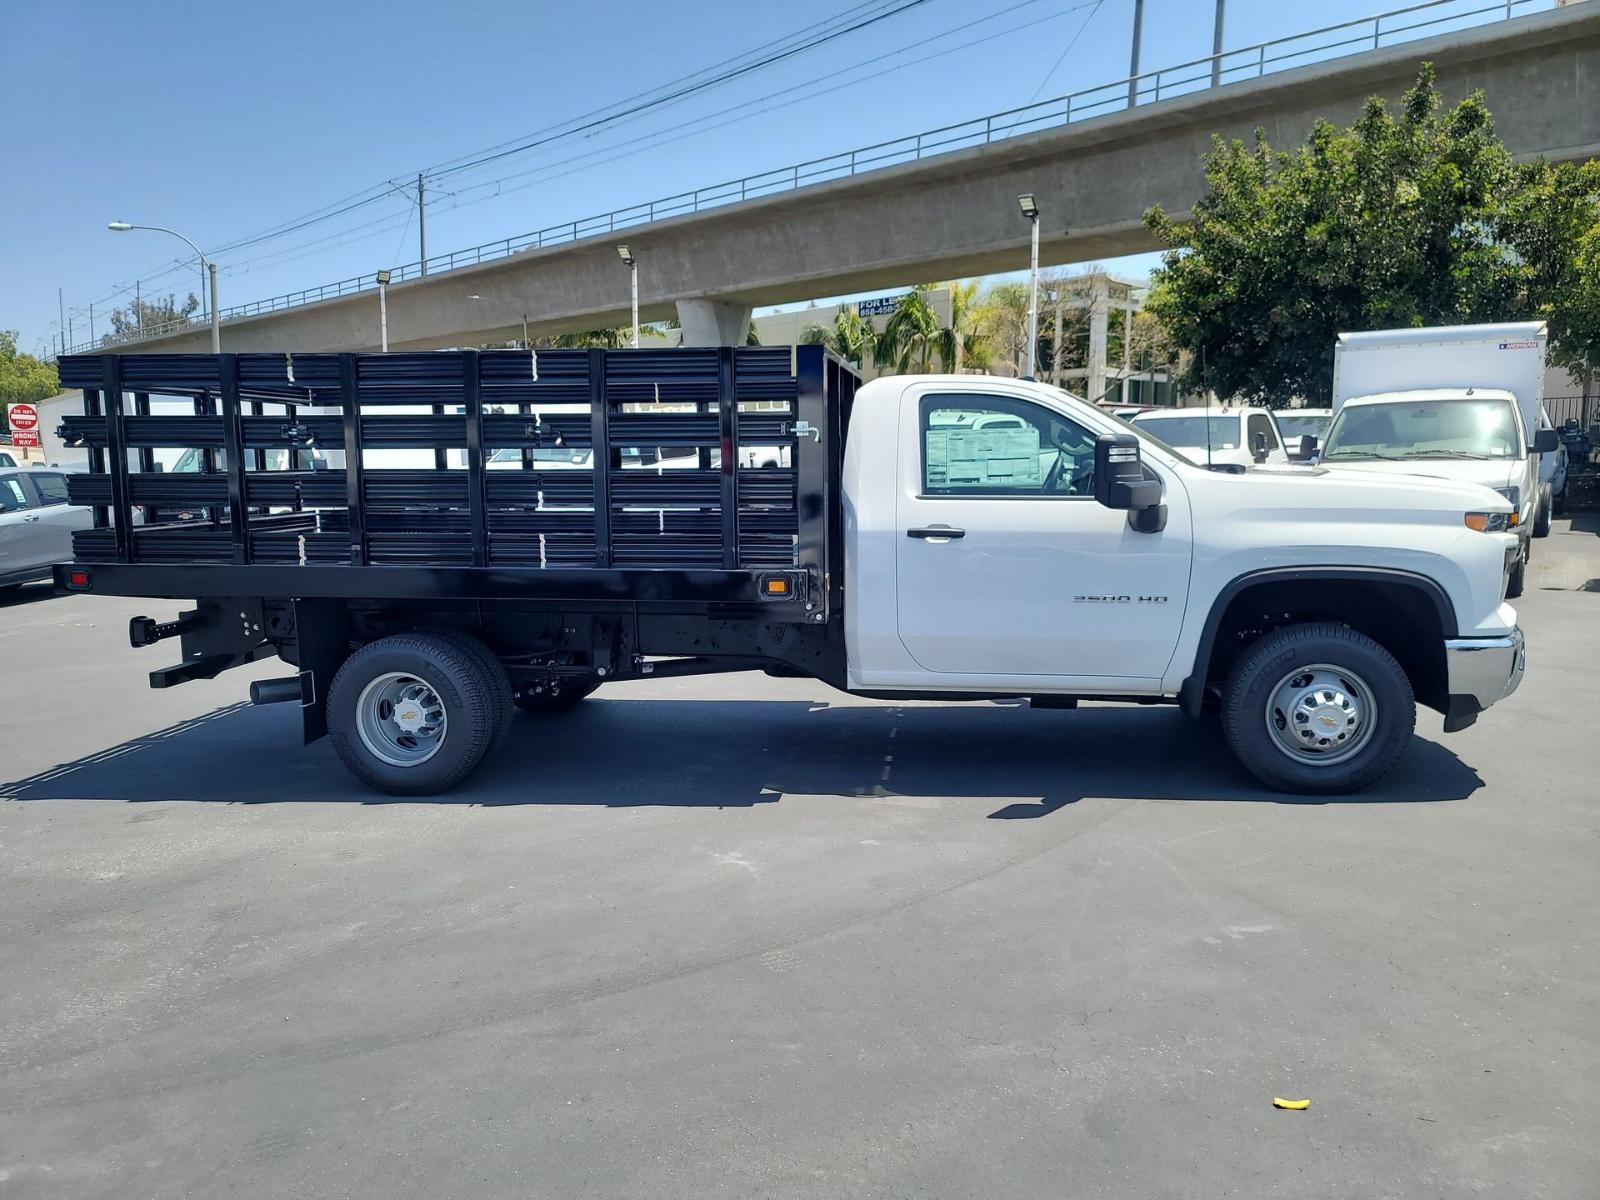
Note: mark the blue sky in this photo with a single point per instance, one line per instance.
(225, 120)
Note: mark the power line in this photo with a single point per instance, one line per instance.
(836, 80)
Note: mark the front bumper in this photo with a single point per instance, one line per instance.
(1481, 672)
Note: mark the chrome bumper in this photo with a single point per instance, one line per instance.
(1483, 671)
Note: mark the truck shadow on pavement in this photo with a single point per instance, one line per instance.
(1020, 762)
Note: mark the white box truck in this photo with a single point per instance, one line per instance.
(1459, 403)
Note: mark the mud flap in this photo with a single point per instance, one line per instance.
(322, 636)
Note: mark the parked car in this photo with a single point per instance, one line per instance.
(6, 460)
(1297, 424)
(1224, 439)
(36, 524)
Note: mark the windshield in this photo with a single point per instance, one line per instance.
(1191, 431)
(1463, 428)
(1295, 427)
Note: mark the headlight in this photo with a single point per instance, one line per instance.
(1486, 522)
(1514, 495)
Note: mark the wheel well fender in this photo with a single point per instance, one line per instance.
(1408, 614)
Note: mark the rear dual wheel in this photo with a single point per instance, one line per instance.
(414, 714)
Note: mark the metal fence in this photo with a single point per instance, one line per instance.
(1230, 66)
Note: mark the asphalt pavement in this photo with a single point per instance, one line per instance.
(747, 937)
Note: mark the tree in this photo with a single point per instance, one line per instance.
(145, 314)
(1398, 220)
(962, 343)
(1003, 317)
(850, 337)
(1553, 222)
(24, 379)
(908, 339)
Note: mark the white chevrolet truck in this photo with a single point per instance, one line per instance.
(947, 537)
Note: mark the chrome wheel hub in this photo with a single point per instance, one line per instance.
(401, 719)
(1321, 714)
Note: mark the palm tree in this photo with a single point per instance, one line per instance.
(962, 342)
(850, 337)
(909, 336)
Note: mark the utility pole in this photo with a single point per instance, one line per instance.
(422, 228)
(61, 307)
(91, 321)
(1216, 46)
(138, 307)
(1133, 64)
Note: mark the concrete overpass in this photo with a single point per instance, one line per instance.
(953, 215)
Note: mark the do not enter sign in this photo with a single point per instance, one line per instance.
(24, 420)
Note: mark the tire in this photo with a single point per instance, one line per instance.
(440, 684)
(1327, 672)
(1519, 575)
(565, 694)
(1541, 518)
(496, 682)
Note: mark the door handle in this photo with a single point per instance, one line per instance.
(939, 532)
(30, 520)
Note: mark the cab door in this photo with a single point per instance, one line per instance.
(1005, 563)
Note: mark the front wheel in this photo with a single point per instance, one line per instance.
(1519, 573)
(1541, 518)
(1318, 709)
(411, 714)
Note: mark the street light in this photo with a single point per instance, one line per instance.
(383, 311)
(210, 268)
(626, 255)
(1030, 210)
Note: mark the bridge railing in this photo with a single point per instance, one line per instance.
(1329, 42)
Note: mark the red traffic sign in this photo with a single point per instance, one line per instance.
(24, 418)
(28, 437)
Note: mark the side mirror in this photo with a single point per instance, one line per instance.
(1258, 446)
(1546, 441)
(1119, 482)
(1308, 447)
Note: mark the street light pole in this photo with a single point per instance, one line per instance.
(1030, 210)
(1216, 46)
(1133, 64)
(209, 266)
(383, 311)
(633, 282)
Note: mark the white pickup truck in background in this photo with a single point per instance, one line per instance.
(1460, 403)
(1224, 438)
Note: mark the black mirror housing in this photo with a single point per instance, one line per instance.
(1546, 441)
(1258, 447)
(1308, 446)
(1119, 480)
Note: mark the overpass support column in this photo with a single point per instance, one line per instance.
(713, 322)
(1099, 339)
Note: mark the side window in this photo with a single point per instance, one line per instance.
(6, 460)
(52, 488)
(998, 446)
(1261, 423)
(12, 497)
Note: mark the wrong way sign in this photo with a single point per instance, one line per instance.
(24, 422)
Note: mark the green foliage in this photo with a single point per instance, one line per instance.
(908, 337)
(24, 379)
(1413, 218)
(145, 314)
(1553, 221)
(1003, 317)
(850, 337)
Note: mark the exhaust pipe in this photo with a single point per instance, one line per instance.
(277, 691)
